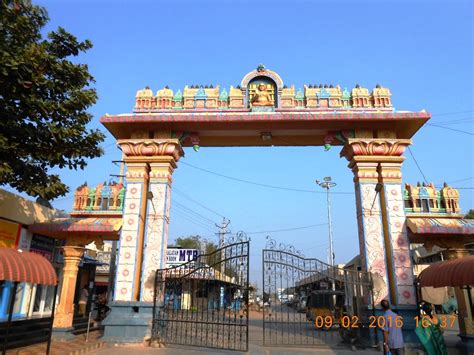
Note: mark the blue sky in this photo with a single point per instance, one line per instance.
(421, 50)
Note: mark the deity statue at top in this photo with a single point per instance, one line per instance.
(262, 96)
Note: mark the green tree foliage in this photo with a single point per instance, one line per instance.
(190, 242)
(43, 100)
(469, 215)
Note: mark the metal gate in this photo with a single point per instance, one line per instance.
(290, 279)
(205, 301)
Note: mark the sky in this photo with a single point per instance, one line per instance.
(421, 50)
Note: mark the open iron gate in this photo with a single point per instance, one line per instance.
(205, 301)
(289, 278)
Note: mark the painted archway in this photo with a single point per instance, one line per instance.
(373, 136)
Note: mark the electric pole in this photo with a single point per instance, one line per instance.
(327, 183)
(222, 232)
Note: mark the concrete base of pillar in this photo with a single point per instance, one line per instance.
(63, 334)
(466, 344)
(128, 322)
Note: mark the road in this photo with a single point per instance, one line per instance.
(324, 342)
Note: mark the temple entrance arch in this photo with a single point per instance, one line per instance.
(372, 134)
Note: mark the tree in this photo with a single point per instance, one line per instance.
(43, 100)
(469, 215)
(190, 242)
(196, 242)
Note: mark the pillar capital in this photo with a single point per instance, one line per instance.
(374, 149)
(73, 251)
(148, 150)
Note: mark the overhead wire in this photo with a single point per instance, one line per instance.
(263, 185)
(458, 121)
(208, 220)
(450, 113)
(287, 229)
(181, 193)
(191, 218)
(450, 129)
(418, 166)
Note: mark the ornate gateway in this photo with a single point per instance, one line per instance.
(308, 302)
(204, 302)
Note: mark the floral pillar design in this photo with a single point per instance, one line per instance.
(380, 215)
(137, 180)
(391, 176)
(151, 163)
(161, 171)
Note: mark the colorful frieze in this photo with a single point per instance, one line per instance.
(425, 198)
(103, 197)
(263, 88)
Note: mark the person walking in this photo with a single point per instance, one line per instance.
(392, 333)
(83, 298)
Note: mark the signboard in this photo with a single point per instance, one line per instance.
(9, 234)
(180, 256)
(323, 285)
(42, 245)
(103, 257)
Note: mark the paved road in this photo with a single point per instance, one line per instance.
(329, 343)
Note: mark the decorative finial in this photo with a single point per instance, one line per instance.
(261, 68)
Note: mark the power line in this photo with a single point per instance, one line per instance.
(193, 212)
(191, 219)
(288, 229)
(261, 184)
(418, 166)
(451, 181)
(179, 192)
(450, 113)
(458, 121)
(451, 129)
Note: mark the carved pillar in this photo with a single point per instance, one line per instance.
(132, 235)
(393, 213)
(65, 310)
(150, 165)
(383, 240)
(161, 170)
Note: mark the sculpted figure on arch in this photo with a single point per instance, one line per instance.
(262, 96)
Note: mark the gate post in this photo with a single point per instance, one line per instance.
(161, 170)
(383, 239)
(143, 240)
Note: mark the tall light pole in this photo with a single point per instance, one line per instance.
(327, 183)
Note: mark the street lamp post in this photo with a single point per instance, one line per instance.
(327, 183)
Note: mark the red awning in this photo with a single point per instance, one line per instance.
(454, 273)
(26, 267)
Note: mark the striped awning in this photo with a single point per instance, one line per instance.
(427, 225)
(26, 267)
(61, 228)
(454, 273)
